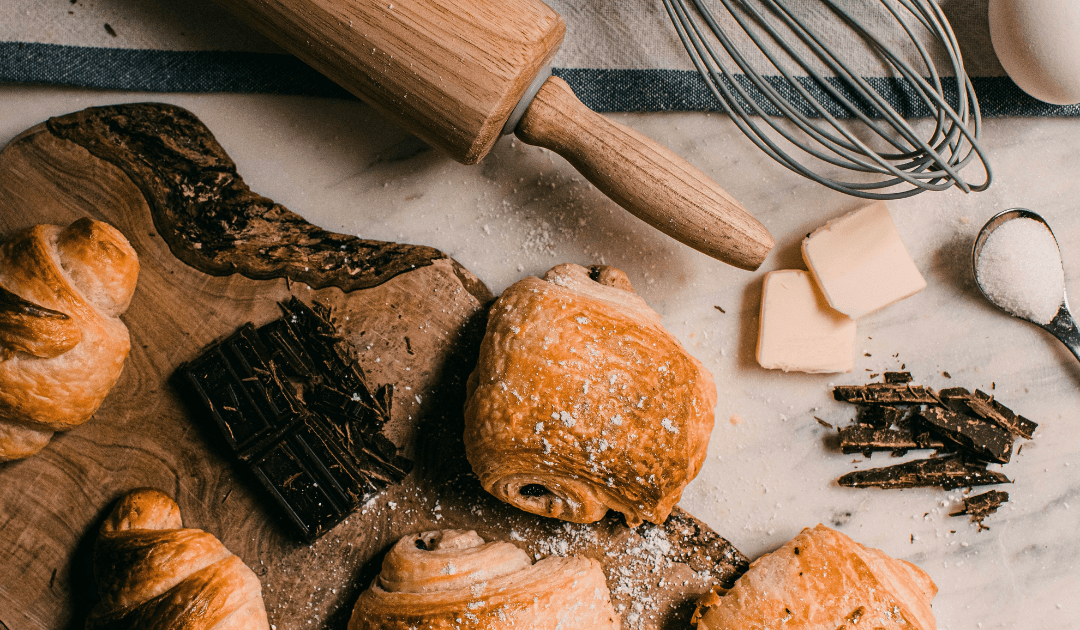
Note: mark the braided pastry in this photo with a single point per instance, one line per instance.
(62, 344)
(582, 402)
(152, 573)
(453, 579)
(823, 580)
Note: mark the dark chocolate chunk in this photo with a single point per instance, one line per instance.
(292, 401)
(982, 505)
(897, 377)
(866, 439)
(884, 394)
(982, 438)
(984, 405)
(880, 416)
(945, 472)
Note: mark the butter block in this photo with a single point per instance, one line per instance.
(860, 263)
(799, 332)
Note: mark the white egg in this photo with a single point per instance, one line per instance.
(1038, 44)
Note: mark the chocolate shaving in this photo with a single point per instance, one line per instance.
(945, 472)
(981, 438)
(982, 505)
(291, 400)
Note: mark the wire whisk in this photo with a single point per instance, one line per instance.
(814, 113)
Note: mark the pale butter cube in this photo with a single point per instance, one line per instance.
(798, 331)
(860, 263)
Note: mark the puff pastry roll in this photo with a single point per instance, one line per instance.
(582, 402)
(823, 580)
(452, 579)
(62, 344)
(153, 573)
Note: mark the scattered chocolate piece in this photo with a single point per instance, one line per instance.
(292, 402)
(945, 472)
(884, 394)
(110, 30)
(720, 309)
(982, 505)
(866, 439)
(897, 377)
(982, 438)
(823, 423)
(946, 375)
(880, 416)
(983, 405)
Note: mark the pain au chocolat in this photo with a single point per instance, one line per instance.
(581, 401)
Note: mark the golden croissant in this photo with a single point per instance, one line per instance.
(823, 580)
(582, 402)
(62, 344)
(452, 579)
(153, 573)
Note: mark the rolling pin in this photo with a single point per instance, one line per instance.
(459, 73)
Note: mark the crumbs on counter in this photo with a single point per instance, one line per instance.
(967, 430)
(292, 402)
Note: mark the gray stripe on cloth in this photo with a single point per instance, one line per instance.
(609, 90)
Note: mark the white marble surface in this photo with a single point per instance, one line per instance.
(523, 210)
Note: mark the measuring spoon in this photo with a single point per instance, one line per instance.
(1062, 325)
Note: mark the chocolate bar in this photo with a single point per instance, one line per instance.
(292, 402)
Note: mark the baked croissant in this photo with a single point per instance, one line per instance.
(152, 573)
(823, 580)
(62, 344)
(453, 579)
(582, 402)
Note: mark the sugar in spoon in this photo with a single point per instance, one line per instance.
(1017, 265)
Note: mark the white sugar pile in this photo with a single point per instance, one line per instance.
(1019, 269)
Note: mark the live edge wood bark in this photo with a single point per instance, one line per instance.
(214, 256)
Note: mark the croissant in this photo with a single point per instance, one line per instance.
(152, 573)
(823, 580)
(582, 402)
(453, 579)
(62, 344)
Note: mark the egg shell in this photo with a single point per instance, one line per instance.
(1038, 44)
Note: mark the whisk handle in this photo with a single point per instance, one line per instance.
(646, 178)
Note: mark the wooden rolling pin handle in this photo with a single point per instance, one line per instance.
(648, 179)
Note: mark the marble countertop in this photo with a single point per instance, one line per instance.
(771, 468)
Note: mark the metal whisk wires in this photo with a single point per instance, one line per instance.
(807, 111)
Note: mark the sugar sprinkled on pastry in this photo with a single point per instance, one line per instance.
(823, 580)
(453, 579)
(582, 402)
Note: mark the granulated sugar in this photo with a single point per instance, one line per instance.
(1019, 269)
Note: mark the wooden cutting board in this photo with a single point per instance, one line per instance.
(215, 256)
